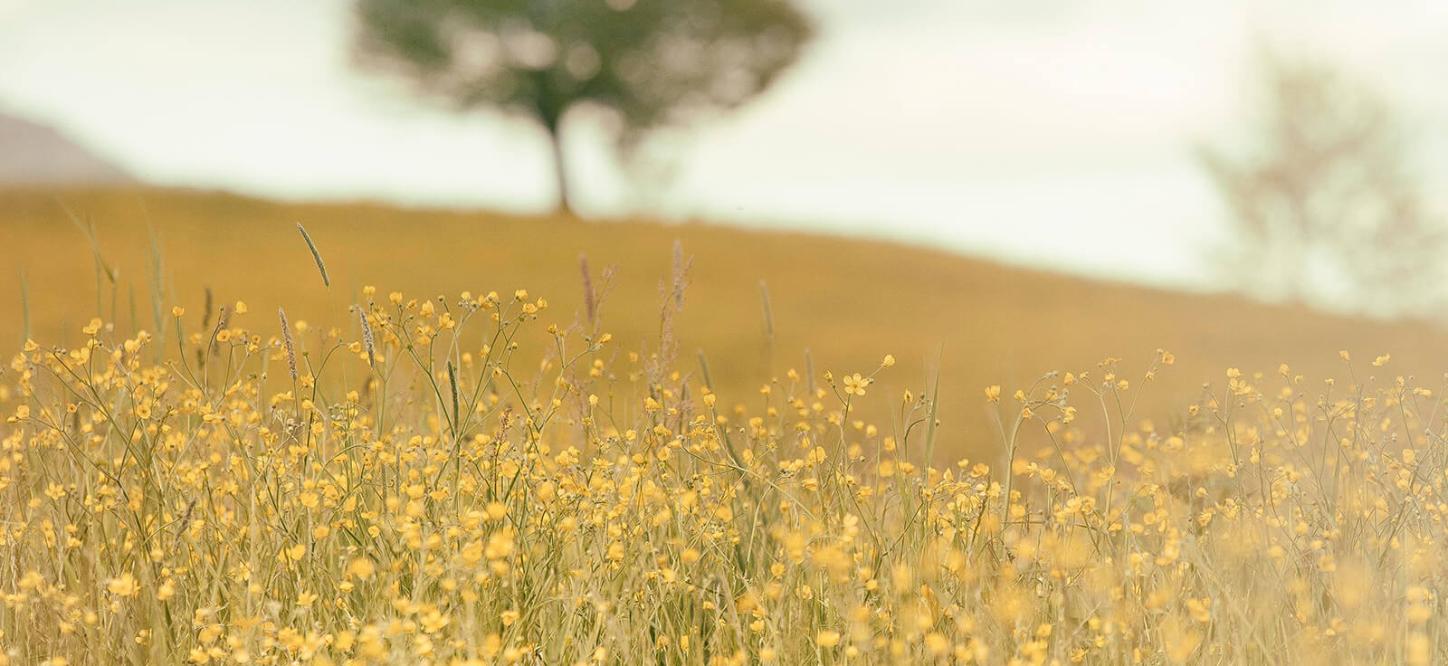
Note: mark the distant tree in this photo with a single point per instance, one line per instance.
(1326, 207)
(648, 62)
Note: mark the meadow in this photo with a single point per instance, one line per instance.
(452, 464)
(832, 303)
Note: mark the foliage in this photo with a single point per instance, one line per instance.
(649, 62)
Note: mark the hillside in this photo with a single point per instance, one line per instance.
(849, 302)
(35, 154)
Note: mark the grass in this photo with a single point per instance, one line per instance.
(272, 470)
(413, 493)
(843, 303)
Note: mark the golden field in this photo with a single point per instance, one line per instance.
(444, 468)
(457, 509)
(845, 301)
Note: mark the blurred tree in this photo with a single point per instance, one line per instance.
(1327, 209)
(649, 62)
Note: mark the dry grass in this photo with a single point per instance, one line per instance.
(466, 476)
(418, 494)
(846, 302)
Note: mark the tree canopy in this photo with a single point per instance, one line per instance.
(1327, 208)
(647, 62)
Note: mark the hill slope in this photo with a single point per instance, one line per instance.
(848, 301)
(31, 154)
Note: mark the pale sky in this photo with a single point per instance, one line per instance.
(1045, 132)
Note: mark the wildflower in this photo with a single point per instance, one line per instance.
(292, 553)
(32, 580)
(361, 568)
(497, 511)
(434, 621)
(500, 546)
(458, 485)
(124, 585)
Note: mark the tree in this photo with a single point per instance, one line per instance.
(1327, 209)
(648, 63)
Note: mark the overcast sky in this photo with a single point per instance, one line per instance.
(1047, 132)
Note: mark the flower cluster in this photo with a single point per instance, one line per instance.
(424, 489)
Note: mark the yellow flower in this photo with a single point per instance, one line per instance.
(993, 393)
(209, 633)
(496, 511)
(500, 546)
(855, 384)
(124, 585)
(292, 553)
(361, 568)
(32, 580)
(434, 622)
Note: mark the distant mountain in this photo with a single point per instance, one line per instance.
(35, 154)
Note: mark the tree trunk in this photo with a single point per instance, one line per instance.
(560, 167)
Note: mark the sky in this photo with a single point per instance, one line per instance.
(1050, 133)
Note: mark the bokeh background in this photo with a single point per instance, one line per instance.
(988, 190)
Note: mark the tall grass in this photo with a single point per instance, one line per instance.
(846, 301)
(409, 492)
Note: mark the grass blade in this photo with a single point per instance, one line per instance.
(316, 256)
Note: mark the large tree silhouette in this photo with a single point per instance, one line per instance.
(648, 62)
